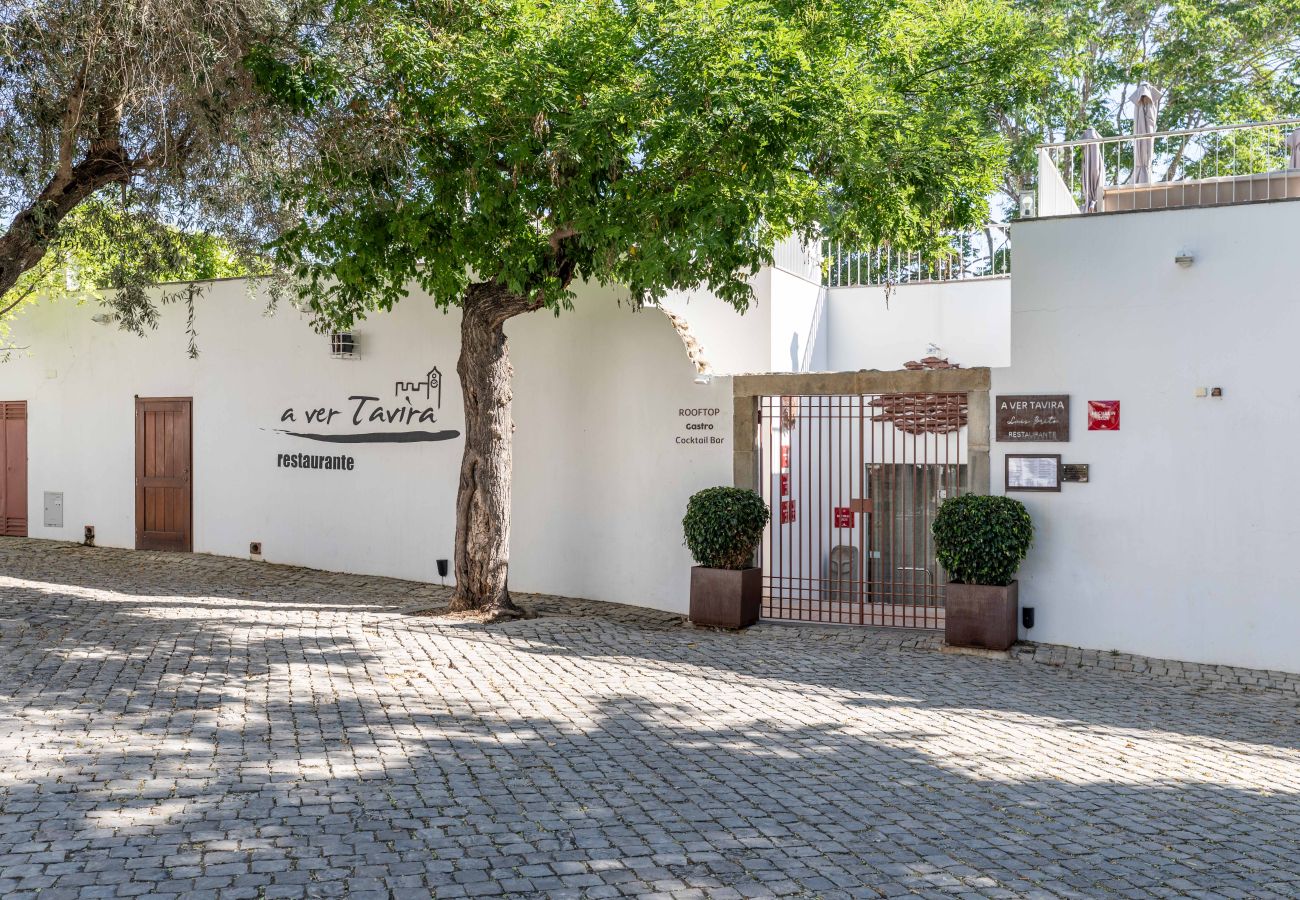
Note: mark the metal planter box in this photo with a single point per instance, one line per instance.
(981, 615)
(726, 598)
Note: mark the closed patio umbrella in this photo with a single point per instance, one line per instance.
(1092, 173)
(1293, 145)
(1146, 104)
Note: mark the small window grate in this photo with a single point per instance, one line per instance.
(343, 345)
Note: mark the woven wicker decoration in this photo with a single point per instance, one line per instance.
(922, 413)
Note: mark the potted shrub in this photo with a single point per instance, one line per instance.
(981, 542)
(723, 526)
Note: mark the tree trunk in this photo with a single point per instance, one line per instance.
(483, 498)
(30, 232)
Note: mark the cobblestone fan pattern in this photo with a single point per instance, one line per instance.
(186, 725)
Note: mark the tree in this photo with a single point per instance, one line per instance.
(1216, 63)
(100, 247)
(149, 109)
(497, 151)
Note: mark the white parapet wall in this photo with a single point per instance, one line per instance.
(871, 328)
(1181, 544)
(783, 330)
(613, 435)
(1178, 546)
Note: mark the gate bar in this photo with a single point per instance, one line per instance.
(746, 391)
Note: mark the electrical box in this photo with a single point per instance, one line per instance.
(54, 509)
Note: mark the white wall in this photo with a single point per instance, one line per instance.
(600, 480)
(794, 313)
(969, 320)
(733, 343)
(1182, 543)
(771, 336)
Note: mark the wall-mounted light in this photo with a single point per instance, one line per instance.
(704, 378)
(1184, 259)
(343, 345)
(1028, 205)
(104, 318)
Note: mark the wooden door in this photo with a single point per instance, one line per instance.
(163, 490)
(13, 468)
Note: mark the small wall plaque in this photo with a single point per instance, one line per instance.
(1075, 472)
(1033, 417)
(1103, 415)
(1033, 472)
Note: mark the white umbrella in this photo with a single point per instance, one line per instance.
(1092, 173)
(1293, 144)
(1146, 103)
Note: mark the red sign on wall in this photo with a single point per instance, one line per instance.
(785, 456)
(843, 517)
(785, 485)
(1103, 415)
(787, 512)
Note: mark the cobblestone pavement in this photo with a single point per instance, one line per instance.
(206, 727)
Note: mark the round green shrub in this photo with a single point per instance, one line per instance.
(982, 540)
(723, 526)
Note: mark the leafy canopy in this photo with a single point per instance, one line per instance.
(102, 249)
(654, 144)
(1217, 63)
(135, 146)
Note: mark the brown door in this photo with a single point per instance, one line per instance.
(163, 496)
(13, 468)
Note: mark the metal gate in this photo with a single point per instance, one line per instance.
(854, 482)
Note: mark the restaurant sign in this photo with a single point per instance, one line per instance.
(1037, 418)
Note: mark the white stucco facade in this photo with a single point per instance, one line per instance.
(782, 330)
(599, 471)
(794, 325)
(969, 321)
(1179, 545)
(1176, 547)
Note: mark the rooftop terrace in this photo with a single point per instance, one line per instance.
(1248, 163)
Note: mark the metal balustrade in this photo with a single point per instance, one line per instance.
(1209, 166)
(984, 253)
(795, 256)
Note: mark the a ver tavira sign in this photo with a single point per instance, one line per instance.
(409, 415)
(1038, 418)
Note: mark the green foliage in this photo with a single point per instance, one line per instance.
(102, 249)
(1217, 63)
(652, 144)
(107, 247)
(300, 80)
(723, 526)
(982, 540)
(137, 143)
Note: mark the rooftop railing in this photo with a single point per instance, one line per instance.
(984, 253)
(795, 256)
(1169, 169)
